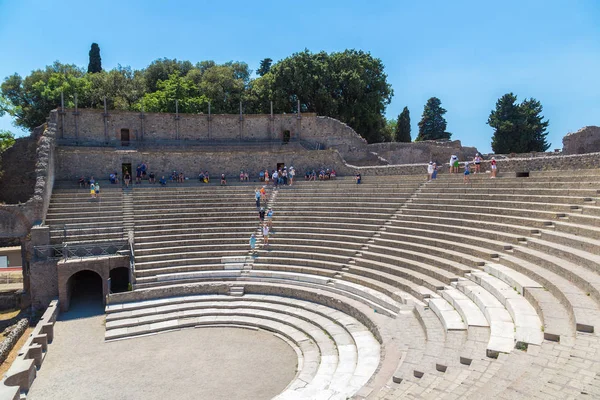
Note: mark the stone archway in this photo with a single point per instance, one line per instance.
(85, 288)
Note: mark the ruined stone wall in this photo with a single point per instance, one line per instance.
(73, 162)
(91, 125)
(585, 140)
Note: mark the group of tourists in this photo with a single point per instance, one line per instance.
(432, 168)
(322, 175)
(280, 176)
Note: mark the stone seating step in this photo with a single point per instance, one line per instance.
(464, 262)
(169, 240)
(169, 259)
(377, 301)
(501, 183)
(450, 269)
(484, 197)
(198, 225)
(459, 190)
(555, 317)
(289, 225)
(450, 318)
(417, 272)
(391, 285)
(441, 210)
(580, 250)
(207, 244)
(470, 313)
(527, 322)
(581, 307)
(321, 252)
(502, 328)
(496, 203)
(352, 339)
(345, 235)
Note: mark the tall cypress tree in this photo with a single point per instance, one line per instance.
(518, 128)
(95, 64)
(403, 126)
(433, 124)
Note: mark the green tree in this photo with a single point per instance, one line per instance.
(265, 66)
(95, 64)
(350, 86)
(433, 124)
(389, 132)
(402, 132)
(7, 139)
(162, 69)
(31, 98)
(175, 88)
(518, 128)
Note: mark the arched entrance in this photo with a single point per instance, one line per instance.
(119, 280)
(84, 288)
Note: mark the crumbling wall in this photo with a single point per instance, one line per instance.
(585, 140)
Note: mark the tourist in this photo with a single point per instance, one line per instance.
(246, 176)
(435, 171)
(333, 173)
(151, 178)
(477, 162)
(284, 177)
(206, 177)
(454, 164)
(263, 193)
(93, 191)
(265, 232)
(257, 198)
(92, 181)
(181, 178)
(429, 170)
(116, 177)
(242, 176)
(358, 178)
(494, 168)
(138, 174)
(82, 182)
(261, 214)
(275, 176)
(163, 181)
(267, 176)
(466, 173)
(261, 176)
(223, 180)
(127, 178)
(111, 178)
(144, 168)
(292, 174)
(270, 218)
(97, 190)
(252, 242)
(307, 176)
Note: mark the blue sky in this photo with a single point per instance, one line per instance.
(467, 53)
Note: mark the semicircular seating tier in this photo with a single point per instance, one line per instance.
(393, 288)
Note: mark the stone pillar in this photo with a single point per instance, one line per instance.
(76, 114)
(209, 121)
(40, 235)
(62, 115)
(241, 122)
(105, 115)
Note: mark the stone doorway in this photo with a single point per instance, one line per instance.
(85, 288)
(125, 137)
(119, 280)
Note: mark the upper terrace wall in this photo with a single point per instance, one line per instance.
(92, 125)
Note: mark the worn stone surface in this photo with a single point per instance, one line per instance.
(12, 337)
(214, 363)
(585, 140)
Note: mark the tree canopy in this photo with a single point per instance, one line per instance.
(403, 127)
(433, 124)
(7, 139)
(95, 64)
(518, 128)
(350, 86)
(265, 66)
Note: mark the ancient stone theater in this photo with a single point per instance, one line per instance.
(354, 276)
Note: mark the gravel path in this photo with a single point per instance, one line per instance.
(207, 363)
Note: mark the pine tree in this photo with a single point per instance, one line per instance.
(433, 124)
(518, 128)
(403, 126)
(265, 66)
(95, 64)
